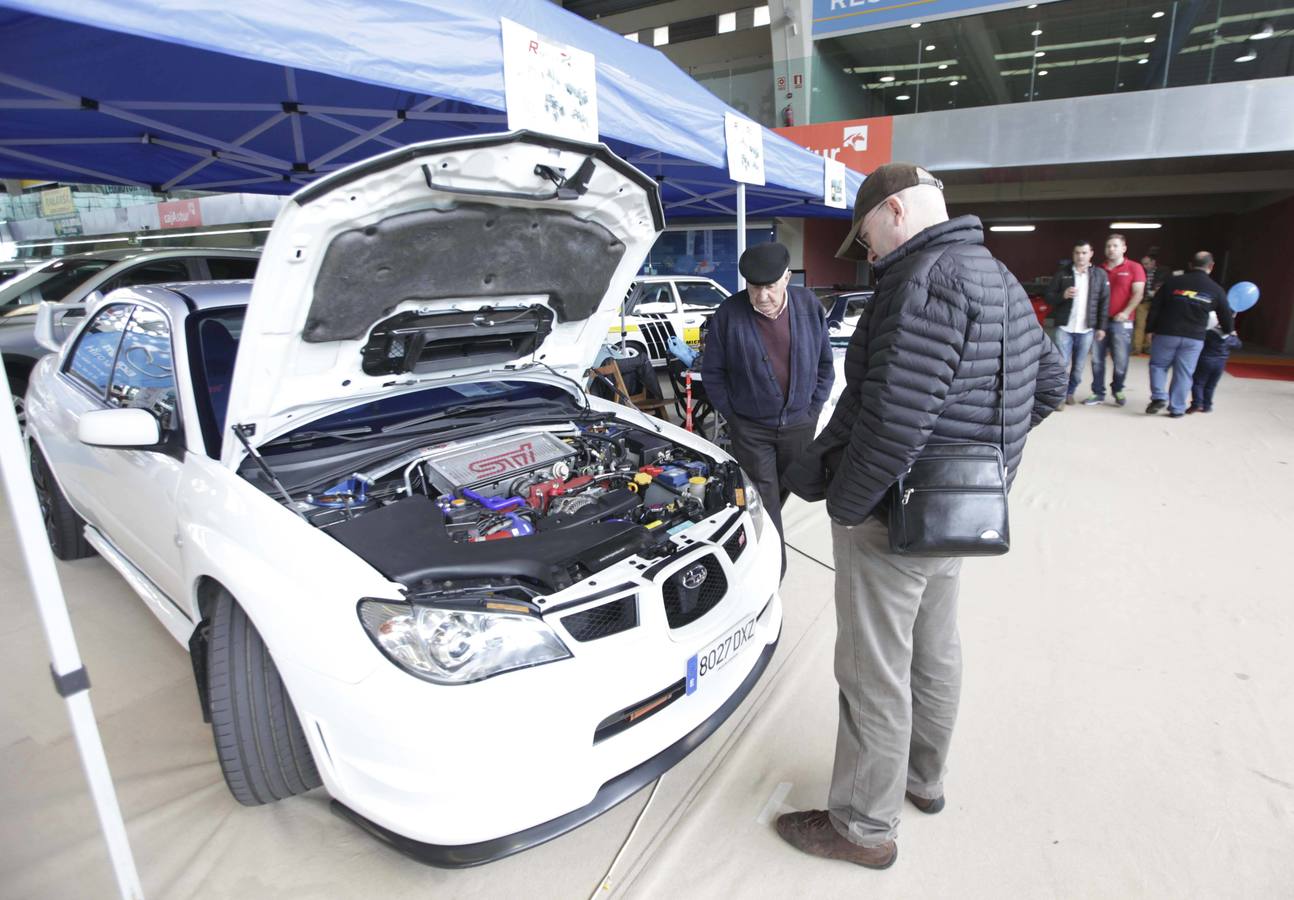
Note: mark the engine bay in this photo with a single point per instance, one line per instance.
(528, 510)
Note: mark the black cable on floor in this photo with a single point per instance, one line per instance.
(811, 557)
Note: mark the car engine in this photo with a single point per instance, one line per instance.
(540, 507)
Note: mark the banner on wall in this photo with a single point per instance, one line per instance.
(179, 214)
(835, 18)
(548, 87)
(861, 144)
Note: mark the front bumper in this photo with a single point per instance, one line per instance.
(617, 790)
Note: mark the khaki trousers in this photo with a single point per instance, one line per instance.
(898, 663)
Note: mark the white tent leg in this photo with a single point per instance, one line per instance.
(741, 231)
(69, 674)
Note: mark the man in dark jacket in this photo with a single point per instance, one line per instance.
(767, 369)
(1080, 298)
(1179, 317)
(922, 367)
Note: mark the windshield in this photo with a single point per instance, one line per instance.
(700, 293)
(51, 282)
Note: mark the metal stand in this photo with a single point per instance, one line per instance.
(70, 678)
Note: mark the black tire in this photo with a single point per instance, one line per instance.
(63, 527)
(262, 750)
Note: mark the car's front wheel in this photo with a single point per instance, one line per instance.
(63, 527)
(262, 749)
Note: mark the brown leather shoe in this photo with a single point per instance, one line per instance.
(925, 804)
(812, 832)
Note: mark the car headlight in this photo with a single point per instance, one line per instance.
(458, 646)
(755, 504)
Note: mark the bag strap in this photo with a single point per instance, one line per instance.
(1006, 319)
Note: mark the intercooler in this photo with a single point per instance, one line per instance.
(493, 459)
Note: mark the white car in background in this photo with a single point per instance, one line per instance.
(658, 307)
(411, 558)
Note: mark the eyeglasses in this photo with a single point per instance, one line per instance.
(861, 237)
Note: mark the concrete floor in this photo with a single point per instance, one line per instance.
(1126, 725)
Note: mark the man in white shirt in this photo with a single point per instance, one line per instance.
(1080, 299)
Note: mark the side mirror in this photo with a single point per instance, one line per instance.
(125, 429)
(55, 321)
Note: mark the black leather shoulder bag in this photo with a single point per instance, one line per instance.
(952, 500)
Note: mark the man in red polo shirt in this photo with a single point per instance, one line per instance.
(1127, 287)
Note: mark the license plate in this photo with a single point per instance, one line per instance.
(716, 656)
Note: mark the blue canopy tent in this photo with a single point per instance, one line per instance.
(264, 97)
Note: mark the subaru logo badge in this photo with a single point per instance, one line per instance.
(694, 577)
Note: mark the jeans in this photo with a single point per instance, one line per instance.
(1118, 343)
(1208, 371)
(899, 667)
(1073, 349)
(1181, 354)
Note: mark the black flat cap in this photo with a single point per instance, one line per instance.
(764, 263)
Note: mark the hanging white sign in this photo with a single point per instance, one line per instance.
(548, 87)
(833, 184)
(745, 149)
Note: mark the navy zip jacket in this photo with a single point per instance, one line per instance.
(739, 381)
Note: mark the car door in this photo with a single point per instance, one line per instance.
(80, 387)
(141, 485)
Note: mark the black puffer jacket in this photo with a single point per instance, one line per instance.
(923, 367)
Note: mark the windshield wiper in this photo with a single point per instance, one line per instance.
(463, 408)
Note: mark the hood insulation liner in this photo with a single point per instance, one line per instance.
(464, 252)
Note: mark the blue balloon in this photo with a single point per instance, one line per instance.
(1243, 294)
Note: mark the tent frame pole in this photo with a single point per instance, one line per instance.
(69, 674)
(741, 231)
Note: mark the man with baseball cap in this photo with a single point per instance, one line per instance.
(768, 370)
(923, 367)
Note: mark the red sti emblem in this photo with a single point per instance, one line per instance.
(496, 465)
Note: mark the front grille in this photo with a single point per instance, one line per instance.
(685, 599)
(603, 621)
(736, 544)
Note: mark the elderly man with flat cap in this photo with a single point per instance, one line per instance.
(767, 369)
(924, 367)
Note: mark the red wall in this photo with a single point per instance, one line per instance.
(822, 238)
(1261, 252)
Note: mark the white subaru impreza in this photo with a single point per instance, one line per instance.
(413, 561)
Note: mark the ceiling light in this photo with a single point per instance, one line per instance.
(660, 36)
(760, 17)
(943, 66)
(887, 78)
(1040, 53)
(1249, 56)
(1142, 61)
(1043, 72)
(1134, 226)
(903, 97)
(952, 84)
(727, 22)
(915, 25)
(1032, 6)
(1036, 32)
(929, 47)
(1157, 15)
(1010, 228)
(1263, 35)
(632, 36)
(1149, 40)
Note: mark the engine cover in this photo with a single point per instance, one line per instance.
(493, 459)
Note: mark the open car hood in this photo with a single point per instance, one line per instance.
(437, 261)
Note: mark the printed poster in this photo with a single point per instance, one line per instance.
(834, 190)
(745, 149)
(548, 87)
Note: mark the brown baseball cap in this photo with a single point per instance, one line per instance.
(885, 181)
